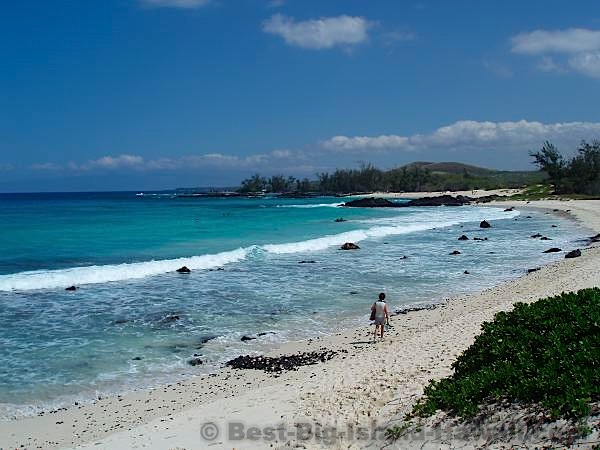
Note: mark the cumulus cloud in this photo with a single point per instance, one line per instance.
(578, 47)
(471, 135)
(194, 161)
(322, 33)
(189, 4)
(571, 40)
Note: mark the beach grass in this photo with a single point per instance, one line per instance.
(546, 353)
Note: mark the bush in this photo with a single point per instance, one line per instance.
(545, 353)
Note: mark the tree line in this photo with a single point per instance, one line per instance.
(368, 178)
(577, 175)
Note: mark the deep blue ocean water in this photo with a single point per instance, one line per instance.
(135, 322)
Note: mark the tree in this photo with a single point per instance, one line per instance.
(255, 183)
(549, 159)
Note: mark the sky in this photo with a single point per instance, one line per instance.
(159, 94)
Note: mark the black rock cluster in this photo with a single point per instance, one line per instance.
(280, 363)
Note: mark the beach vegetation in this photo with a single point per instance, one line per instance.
(577, 175)
(546, 354)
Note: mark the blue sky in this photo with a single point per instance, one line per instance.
(155, 94)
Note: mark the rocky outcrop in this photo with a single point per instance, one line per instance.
(195, 361)
(340, 219)
(553, 250)
(71, 288)
(281, 363)
(442, 200)
(183, 269)
(536, 235)
(371, 202)
(573, 254)
(349, 246)
(484, 224)
(455, 252)
(463, 238)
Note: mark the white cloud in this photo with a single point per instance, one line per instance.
(571, 40)
(586, 63)
(578, 47)
(193, 161)
(47, 166)
(323, 33)
(186, 4)
(471, 135)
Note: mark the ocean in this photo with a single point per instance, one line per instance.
(267, 268)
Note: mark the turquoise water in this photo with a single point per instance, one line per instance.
(135, 322)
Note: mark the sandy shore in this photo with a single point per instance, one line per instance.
(359, 392)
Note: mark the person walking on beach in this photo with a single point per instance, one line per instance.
(382, 315)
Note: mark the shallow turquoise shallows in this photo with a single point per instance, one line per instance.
(262, 265)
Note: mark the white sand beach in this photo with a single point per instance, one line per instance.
(364, 388)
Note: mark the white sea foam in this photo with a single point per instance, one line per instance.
(397, 225)
(52, 279)
(393, 226)
(319, 205)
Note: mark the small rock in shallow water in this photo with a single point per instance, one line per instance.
(553, 250)
(183, 269)
(349, 246)
(484, 224)
(71, 288)
(455, 252)
(195, 362)
(463, 238)
(573, 254)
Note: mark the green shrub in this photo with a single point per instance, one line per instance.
(545, 353)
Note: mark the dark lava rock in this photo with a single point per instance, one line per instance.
(340, 219)
(535, 269)
(404, 257)
(528, 217)
(172, 318)
(353, 293)
(545, 238)
(463, 238)
(455, 252)
(573, 254)
(595, 238)
(120, 321)
(183, 269)
(195, 362)
(71, 288)
(442, 200)
(307, 262)
(265, 333)
(509, 209)
(554, 226)
(536, 235)
(466, 272)
(280, 363)
(247, 338)
(484, 224)
(349, 246)
(480, 239)
(553, 250)
(370, 202)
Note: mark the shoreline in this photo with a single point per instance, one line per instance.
(173, 414)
